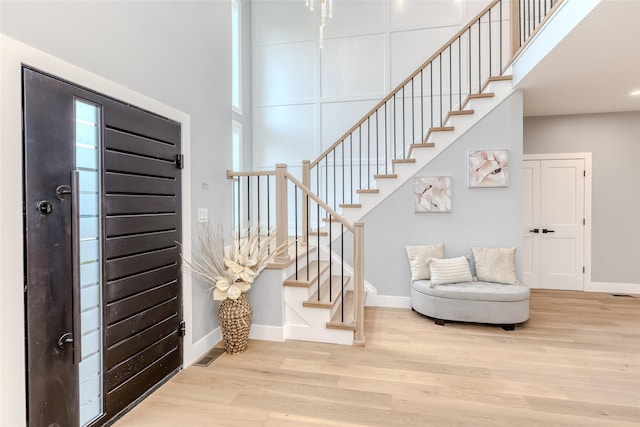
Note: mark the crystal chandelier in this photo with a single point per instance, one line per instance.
(326, 11)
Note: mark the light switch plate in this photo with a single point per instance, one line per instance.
(203, 215)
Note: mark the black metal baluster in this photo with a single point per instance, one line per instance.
(479, 59)
(403, 124)
(360, 156)
(490, 71)
(351, 165)
(459, 74)
(421, 106)
(413, 114)
(450, 82)
(528, 19)
(431, 92)
(295, 220)
(326, 178)
(308, 233)
(342, 273)
(377, 144)
(259, 205)
(268, 214)
(239, 207)
(368, 149)
(330, 261)
(318, 251)
(395, 126)
(248, 204)
(343, 166)
(501, 24)
(386, 155)
(318, 180)
(440, 65)
(335, 199)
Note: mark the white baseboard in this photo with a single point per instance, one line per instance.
(388, 301)
(618, 288)
(203, 345)
(267, 333)
(306, 333)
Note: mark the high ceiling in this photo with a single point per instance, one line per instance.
(594, 69)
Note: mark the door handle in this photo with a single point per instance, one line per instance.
(535, 230)
(75, 262)
(65, 339)
(545, 231)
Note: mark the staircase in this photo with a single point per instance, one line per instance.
(323, 295)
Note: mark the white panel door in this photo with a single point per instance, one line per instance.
(561, 220)
(553, 228)
(531, 224)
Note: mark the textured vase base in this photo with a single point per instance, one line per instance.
(235, 322)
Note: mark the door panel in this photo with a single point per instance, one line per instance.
(562, 212)
(553, 230)
(143, 285)
(531, 224)
(129, 221)
(52, 376)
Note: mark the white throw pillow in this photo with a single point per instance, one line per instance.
(450, 270)
(418, 259)
(496, 265)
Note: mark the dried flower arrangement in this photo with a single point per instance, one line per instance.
(231, 271)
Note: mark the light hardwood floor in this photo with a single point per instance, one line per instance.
(575, 363)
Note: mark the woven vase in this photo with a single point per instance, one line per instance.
(235, 323)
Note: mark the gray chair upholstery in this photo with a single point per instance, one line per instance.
(479, 302)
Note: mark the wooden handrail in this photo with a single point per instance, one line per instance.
(404, 83)
(319, 201)
(232, 174)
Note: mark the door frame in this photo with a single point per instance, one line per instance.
(587, 157)
(12, 312)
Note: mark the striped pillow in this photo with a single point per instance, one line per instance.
(449, 270)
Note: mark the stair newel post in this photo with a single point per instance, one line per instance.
(306, 181)
(514, 6)
(282, 220)
(358, 286)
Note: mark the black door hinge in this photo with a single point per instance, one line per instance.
(182, 328)
(584, 270)
(180, 161)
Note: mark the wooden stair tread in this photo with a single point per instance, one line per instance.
(316, 233)
(367, 191)
(291, 250)
(350, 205)
(481, 95)
(385, 176)
(461, 112)
(396, 161)
(441, 129)
(302, 281)
(348, 323)
(423, 145)
(500, 78)
(325, 301)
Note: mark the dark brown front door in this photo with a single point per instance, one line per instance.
(102, 282)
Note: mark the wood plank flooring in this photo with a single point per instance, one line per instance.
(576, 362)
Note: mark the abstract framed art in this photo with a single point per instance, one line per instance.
(489, 168)
(433, 194)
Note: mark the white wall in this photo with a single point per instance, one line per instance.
(304, 98)
(614, 140)
(177, 53)
(479, 217)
